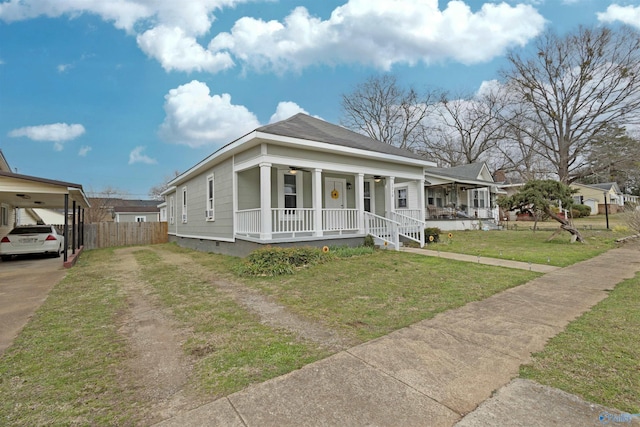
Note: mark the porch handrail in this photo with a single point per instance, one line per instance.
(382, 228)
(248, 221)
(339, 219)
(409, 227)
(287, 220)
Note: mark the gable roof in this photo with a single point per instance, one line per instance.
(303, 126)
(607, 186)
(4, 164)
(302, 129)
(470, 172)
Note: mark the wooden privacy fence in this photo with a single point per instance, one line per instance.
(108, 234)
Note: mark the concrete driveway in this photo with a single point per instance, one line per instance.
(24, 285)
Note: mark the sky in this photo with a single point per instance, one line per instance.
(122, 94)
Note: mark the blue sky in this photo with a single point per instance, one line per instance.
(122, 94)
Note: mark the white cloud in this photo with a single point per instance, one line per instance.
(379, 33)
(64, 67)
(382, 33)
(175, 50)
(56, 133)
(136, 156)
(626, 14)
(84, 150)
(286, 109)
(195, 118)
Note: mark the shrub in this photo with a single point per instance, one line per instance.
(369, 242)
(579, 211)
(432, 231)
(272, 261)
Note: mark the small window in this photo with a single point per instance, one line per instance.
(184, 205)
(172, 210)
(401, 198)
(141, 219)
(367, 196)
(290, 192)
(4, 215)
(209, 211)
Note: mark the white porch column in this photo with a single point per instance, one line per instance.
(316, 196)
(265, 201)
(389, 202)
(360, 201)
(421, 204)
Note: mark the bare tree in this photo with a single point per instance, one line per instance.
(464, 129)
(381, 109)
(156, 191)
(102, 204)
(575, 88)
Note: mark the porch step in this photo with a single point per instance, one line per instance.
(490, 225)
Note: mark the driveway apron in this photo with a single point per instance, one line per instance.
(24, 285)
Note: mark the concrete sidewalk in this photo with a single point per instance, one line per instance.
(435, 372)
(498, 262)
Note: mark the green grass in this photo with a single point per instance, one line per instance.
(66, 366)
(232, 347)
(62, 368)
(528, 246)
(369, 296)
(597, 355)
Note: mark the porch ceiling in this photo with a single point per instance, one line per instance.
(31, 192)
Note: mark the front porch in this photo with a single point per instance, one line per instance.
(302, 203)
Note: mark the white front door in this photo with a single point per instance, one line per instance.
(334, 198)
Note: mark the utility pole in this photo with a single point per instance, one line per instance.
(606, 209)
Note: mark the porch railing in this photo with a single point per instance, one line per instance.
(293, 221)
(409, 227)
(382, 228)
(248, 221)
(340, 220)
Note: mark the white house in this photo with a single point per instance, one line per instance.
(300, 181)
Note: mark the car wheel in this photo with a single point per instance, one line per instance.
(59, 251)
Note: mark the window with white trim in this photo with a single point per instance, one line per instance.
(289, 190)
(480, 198)
(209, 210)
(141, 219)
(368, 196)
(4, 215)
(184, 205)
(402, 198)
(172, 210)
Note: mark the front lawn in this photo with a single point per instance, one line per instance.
(597, 355)
(529, 246)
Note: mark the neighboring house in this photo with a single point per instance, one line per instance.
(117, 209)
(593, 195)
(460, 197)
(137, 213)
(300, 181)
(163, 211)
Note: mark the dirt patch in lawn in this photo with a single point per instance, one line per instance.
(158, 369)
(269, 312)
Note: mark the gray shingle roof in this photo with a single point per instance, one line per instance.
(470, 171)
(303, 126)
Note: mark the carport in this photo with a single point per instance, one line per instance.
(23, 191)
